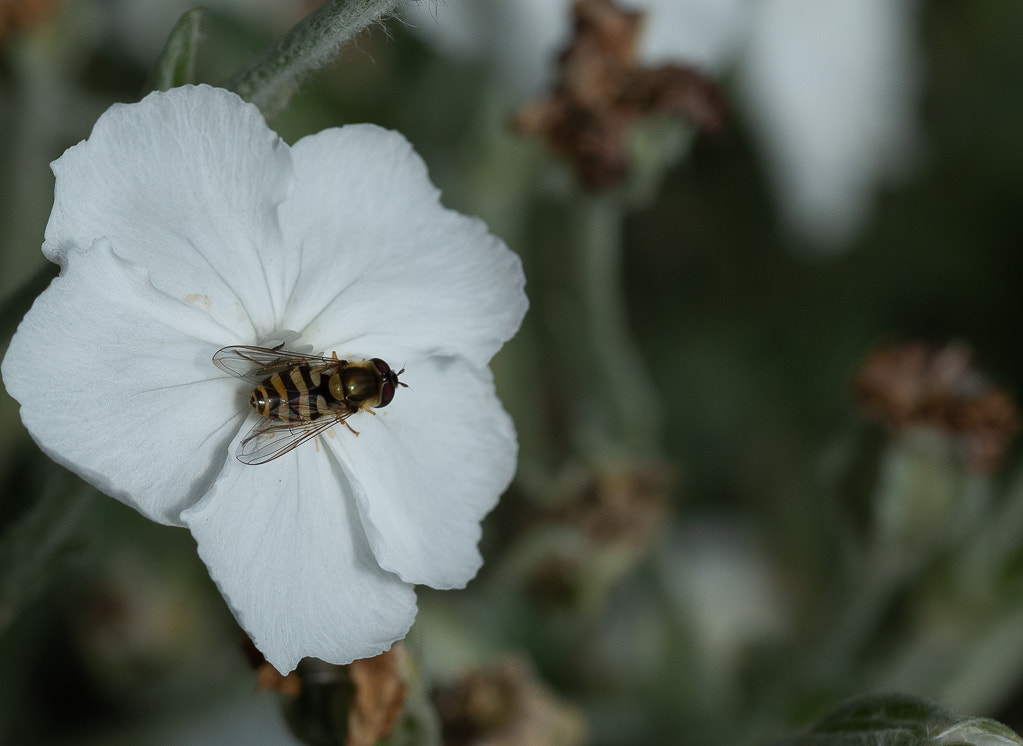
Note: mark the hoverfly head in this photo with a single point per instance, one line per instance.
(390, 381)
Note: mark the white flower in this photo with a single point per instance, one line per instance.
(827, 87)
(183, 225)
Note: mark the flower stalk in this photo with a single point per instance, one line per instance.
(615, 363)
(35, 547)
(271, 79)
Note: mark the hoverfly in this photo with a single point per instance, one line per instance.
(300, 396)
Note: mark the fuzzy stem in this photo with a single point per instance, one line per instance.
(620, 374)
(33, 549)
(273, 77)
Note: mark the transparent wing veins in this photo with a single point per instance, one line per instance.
(269, 439)
(256, 364)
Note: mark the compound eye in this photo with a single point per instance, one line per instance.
(384, 368)
(386, 393)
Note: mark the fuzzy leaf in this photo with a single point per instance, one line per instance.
(901, 720)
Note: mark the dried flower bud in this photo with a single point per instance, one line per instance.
(357, 704)
(269, 678)
(626, 505)
(914, 382)
(601, 523)
(505, 706)
(379, 696)
(602, 91)
(16, 15)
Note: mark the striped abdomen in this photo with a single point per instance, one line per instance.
(299, 394)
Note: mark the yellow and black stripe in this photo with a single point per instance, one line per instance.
(298, 394)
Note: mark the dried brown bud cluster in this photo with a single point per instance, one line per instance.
(505, 706)
(269, 678)
(16, 15)
(599, 524)
(372, 689)
(914, 382)
(602, 90)
(624, 505)
(379, 695)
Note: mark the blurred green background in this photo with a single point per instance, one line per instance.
(721, 625)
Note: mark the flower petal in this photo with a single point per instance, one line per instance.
(116, 383)
(186, 183)
(385, 270)
(283, 542)
(428, 468)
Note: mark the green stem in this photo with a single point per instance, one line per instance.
(866, 602)
(33, 549)
(273, 77)
(622, 385)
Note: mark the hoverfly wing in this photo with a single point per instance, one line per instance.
(269, 439)
(256, 364)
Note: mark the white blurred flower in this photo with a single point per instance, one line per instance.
(723, 584)
(828, 87)
(183, 225)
